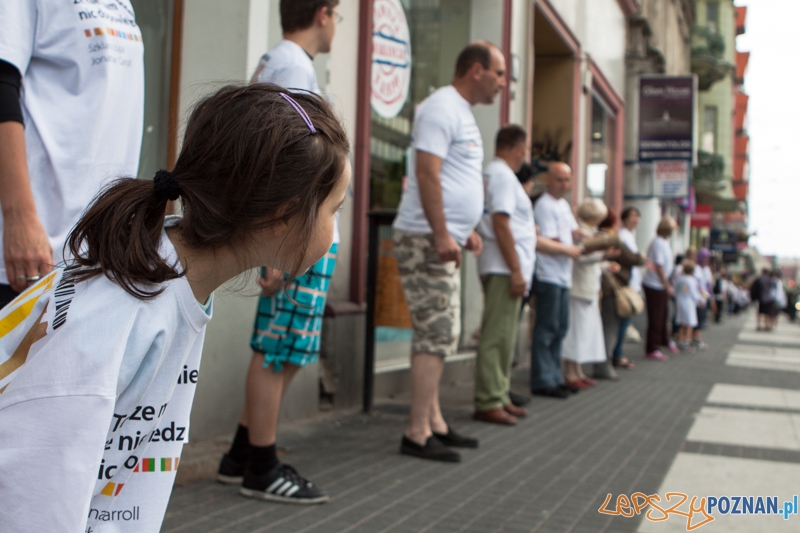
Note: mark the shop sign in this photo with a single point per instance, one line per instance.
(702, 216)
(391, 58)
(666, 117)
(671, 179)
(725, 242)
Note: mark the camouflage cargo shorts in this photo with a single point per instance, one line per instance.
(433, 293)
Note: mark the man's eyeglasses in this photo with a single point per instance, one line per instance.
(339, 18)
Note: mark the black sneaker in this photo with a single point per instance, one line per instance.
(283, 484)
(518, 400)
(552, 392)
(454, 440)
(433, 450)
(569, 388)
(230, 472)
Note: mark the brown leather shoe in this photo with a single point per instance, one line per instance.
(495, 416)
(513, 410)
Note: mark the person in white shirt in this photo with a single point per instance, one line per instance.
(658, 291)
(553, 279)
(506, 269)
(99, 360)
(76, 123)
(630, 221)
(439, 210)
(288, 324)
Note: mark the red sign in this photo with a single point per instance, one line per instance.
(702, 216)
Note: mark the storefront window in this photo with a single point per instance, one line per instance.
(600, 150)
(154, 18)
(438, 29)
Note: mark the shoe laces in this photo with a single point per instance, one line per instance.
(290, 474)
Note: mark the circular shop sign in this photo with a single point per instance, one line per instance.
(391, 58)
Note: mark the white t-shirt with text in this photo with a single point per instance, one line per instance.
(659, 254)
(505, 194)
(94, 410)
(82, 67)
(444, 126)
(556, 221)
(288, 65)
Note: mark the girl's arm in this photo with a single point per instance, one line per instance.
(50, 453)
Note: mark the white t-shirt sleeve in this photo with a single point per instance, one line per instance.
(546, 218)
(433, 132)
(501, 195)
(47, 478)
(17, 32)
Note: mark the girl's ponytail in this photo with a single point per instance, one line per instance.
(119, 235)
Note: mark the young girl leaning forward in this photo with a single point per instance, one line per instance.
(687, 297)
(99, 359)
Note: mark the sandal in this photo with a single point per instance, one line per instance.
(625, 363)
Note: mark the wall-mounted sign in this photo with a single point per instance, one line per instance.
(666, 117)
(702, 216)
(391, 58)
(725, 242)
(671, 179)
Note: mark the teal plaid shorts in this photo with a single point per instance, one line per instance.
(288, 333)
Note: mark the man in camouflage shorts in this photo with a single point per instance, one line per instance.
(433, 292)
(440, 208)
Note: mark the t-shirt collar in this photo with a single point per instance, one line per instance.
(459, 99)
(298, 47)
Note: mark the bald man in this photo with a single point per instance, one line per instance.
(552, 282)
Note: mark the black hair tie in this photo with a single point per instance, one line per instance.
(165, 185)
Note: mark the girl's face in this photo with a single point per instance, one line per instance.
(322, 236)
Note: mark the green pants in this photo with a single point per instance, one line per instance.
(498, 338)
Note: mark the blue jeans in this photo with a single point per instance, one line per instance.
(623, 329)
(552, 323)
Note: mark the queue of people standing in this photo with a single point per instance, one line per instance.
(75, 394)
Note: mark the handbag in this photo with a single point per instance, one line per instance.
(627, 301)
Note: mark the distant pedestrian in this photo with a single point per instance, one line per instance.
(584, 342)
(553, 279)
(658, 290)
(688, 298)
(762, 291)
(630, 222)
(613, 280)
(438, 213)
(506, 269)
(71, 118)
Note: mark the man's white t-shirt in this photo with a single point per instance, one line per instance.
(444, 126)
(95, 396)
(288, 65)
(556, 221)
(659, 254)
(505, 194)
(628, 239)
(82, 67)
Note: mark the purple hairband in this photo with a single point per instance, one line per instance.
(300, 111)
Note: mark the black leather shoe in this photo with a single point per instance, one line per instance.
(518, 399)
(552, 392)
(454, 440)
(433, 450)
(569, 388)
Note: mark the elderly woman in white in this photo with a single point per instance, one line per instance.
(584, 342)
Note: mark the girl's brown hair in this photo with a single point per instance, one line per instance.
(248, 161)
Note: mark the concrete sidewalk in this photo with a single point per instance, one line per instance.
(551, 473)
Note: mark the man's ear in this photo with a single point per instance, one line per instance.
(321, 17)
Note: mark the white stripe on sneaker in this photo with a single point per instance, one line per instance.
(291, 491)
(286, 486)
(275, 484)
